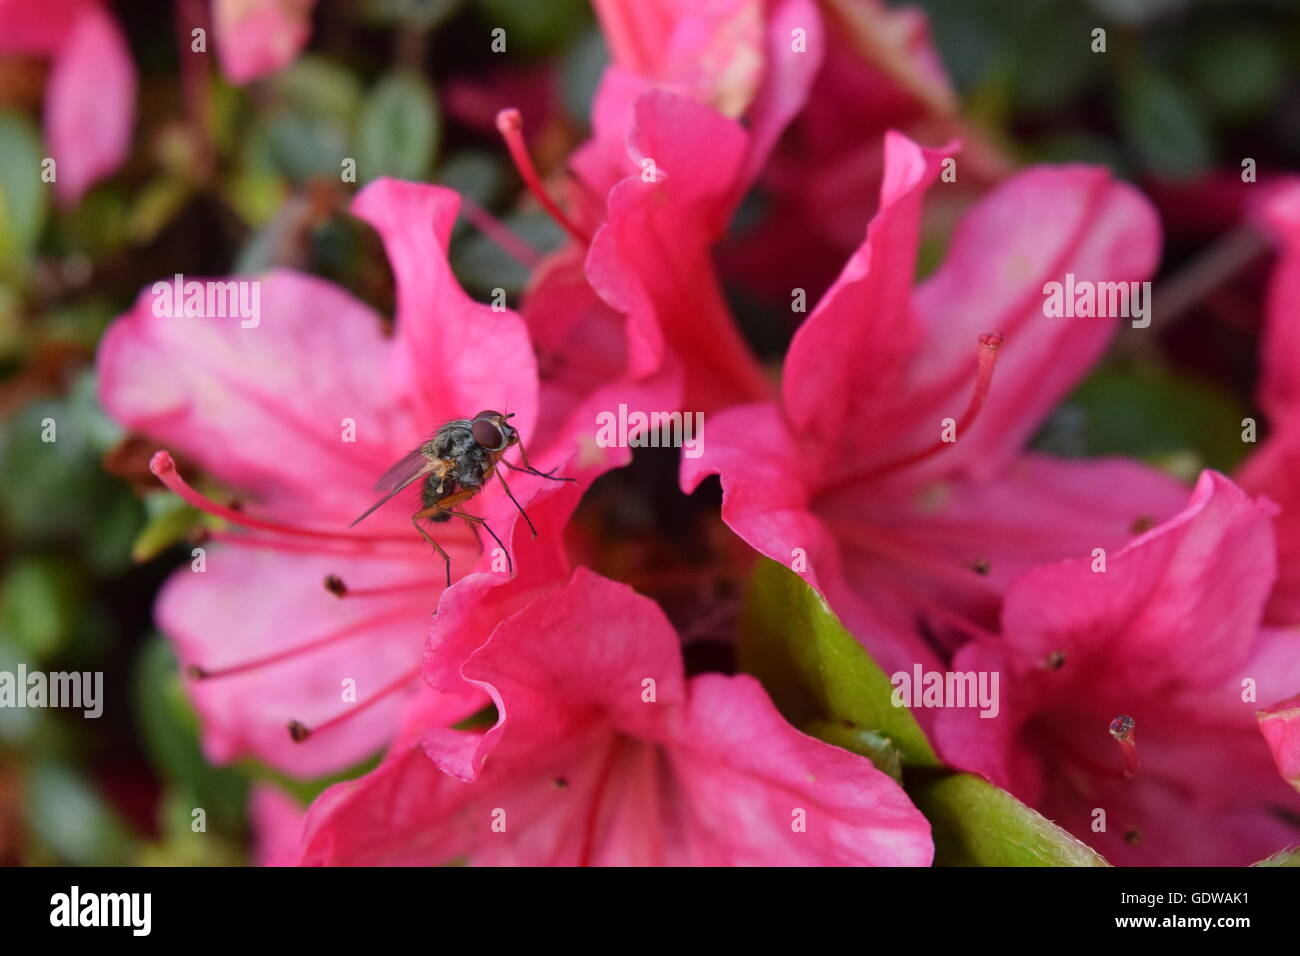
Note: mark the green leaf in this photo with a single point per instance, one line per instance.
(169, 520)
(70, 819)
(977, 824)
(399, 129)
(40, 600)
(533, 28)
(409, 14)
(24, 199)
(1149, 413)
(816, 671)
(1163, 126)
(1287, 857)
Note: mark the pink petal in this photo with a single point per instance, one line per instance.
(1180, 603)
(750, 448)
(1271, 472)
(1279, 393)
(277, 824)
(586, 770)
(90, 103)
(652, 261)
(732, 749)
(257, 37)
(1280, 725)
(540, 670)
(264, 407)
(473, 606)
(323, 641)
(38, 27)
(454, 357)
(1033, 229)
(787, 78)
(921, 546)
(847, 361)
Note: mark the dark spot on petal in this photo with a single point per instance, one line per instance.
(561, 783)
(1142, 524)
(1133, 837)
(981, 566)
(1056, 660)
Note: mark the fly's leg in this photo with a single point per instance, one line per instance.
(511, 496)
(528, 467)
(475, 522)
(420, 516)
(540, 474)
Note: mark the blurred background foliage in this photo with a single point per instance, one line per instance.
(225, 179)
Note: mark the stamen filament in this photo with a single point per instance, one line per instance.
(300, 731)
(164, 467)
(352, 630)
(336, 586)
(510, 124)
(987, 356)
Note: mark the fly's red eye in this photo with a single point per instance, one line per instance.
(486, 434)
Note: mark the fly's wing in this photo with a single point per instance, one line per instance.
(413, 466)
(404, 472)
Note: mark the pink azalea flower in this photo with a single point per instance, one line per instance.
(1167, 636)
(658, 183)
(264, 410)
(879, 71)
(90, 99)
(258, 37)
(604, 753)
(848, 478)
(739, 57)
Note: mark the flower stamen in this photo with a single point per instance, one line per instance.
(339, 588)
(197, 672)
(164, 467)
(511, 124)
(300, 731)
(987, 357)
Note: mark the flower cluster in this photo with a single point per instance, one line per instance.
(533, 711)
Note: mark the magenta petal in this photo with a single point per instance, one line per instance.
(847, 361)
(652, 260)
(732, 749)
(1180, 603)
(1037, 227)
(257, 37)
(1280, 725)
(603, 756)
(787, 78)
(90, 103)
(1280, 386)
(1271, 472)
